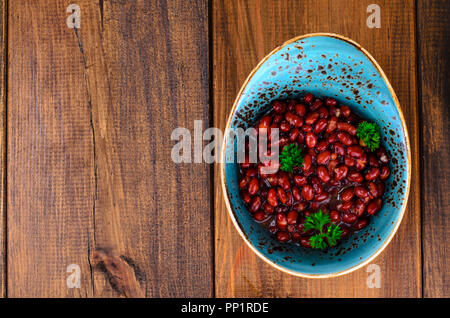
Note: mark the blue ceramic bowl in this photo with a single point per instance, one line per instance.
(325, 65)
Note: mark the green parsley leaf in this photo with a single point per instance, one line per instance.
(369, 133)
(334, 233)
(317, 241)
(317, 221)
(291, 157)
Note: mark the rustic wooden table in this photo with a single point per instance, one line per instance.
(87, 176)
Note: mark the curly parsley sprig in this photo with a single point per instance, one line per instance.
(369, 134)
(291, 157)
(317, 221)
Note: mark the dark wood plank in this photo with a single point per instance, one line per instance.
(243, 33)
(90, 178)
(3, 65)
(434, 65)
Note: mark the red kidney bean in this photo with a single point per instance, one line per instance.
(296, 236)
(281, 195)
(290, 228)
(294, 134)
(281, 209)
(307, 162)
(332, 164)
(374, 206)
(244, 182)
(344, 138)
(345, 231)
(268, 208)
(349, 162)
(332, 124)
(341, 172)
(323, 157)
(317, 104)
(300, 206)
(291, 105)
(345, 110)
(339, 149)
(307, 128)
(320, 125)
(279, 107)
(251, 173)
(277, 119)
(314, 205)
(359, 207)
(301, 137)
(255, 204)
(272, 197)
(322, 173)
(260, 216)
(310, 140)
(283, 236)
(372, 174)
(289, 199)
(361, 192)
(311, 118)
(384, 173)
(360, 164)
(373, 189)
(309, 172)
(273, 229)
(322, 146)
(264, 123)
(283, 181)
(296, 193)
(345, 207)
(317, 185)
(308, 98)
(349, 218)
(293, 119)
(308, 192)
(373, 160)
(321, 197)
(281, 220)
(347, 194)
(323, 112)
(253, 186)
(355, 151)
(335, 217)
(355, 176)
(292, 217)
(300, 109)
(330, 101)
(347, 127)
(273, 180)
(381, 153)
(332, 138)
(246, 197)
(360, 224)
(300, 180)
(284, 126)
(304, 241)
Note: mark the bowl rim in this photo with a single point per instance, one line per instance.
(407, 145)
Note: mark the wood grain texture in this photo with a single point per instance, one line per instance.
(243, 33)
(434, 47)
(90, 179)
(3, 65)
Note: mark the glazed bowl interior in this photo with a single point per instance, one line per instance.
(333, 66)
